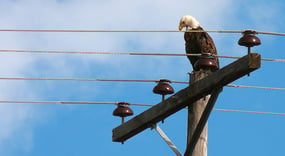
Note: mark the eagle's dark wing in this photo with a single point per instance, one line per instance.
(199, 43)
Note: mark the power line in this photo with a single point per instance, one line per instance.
(86, 31)
(126, 80)
(85, 79)
(77, 79)
(124, 53)
(255, 87)
(252, 112)
(271, 33)
(56, 102)
(115, 103)
(98, 53)
(137, 31)
(116, 31)
(67, 102)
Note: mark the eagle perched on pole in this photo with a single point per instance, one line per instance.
(198, 42)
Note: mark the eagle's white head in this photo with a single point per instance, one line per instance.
(189, 22)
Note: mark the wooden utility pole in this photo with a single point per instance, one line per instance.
(195, 111)
(198, 114)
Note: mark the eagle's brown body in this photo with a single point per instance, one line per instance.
(199, 43)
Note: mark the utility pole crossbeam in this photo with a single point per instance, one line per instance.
(184, 97)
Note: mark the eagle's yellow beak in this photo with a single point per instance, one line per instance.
(181, 26)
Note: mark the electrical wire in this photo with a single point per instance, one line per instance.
(87, 31)
(125, 53)
(76, 79)
(137, 31)
(98, 53)
(255, 87)
(252, 112)
(118, 31)
(57, 102)
(68, 102)
(126, 80)
(271, 33)
(134, 104)
(85, 79)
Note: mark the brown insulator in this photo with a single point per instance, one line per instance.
(206, 61)
(249, 39)
(123, 110)
(163, 87)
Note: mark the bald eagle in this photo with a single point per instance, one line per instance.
(197, 42)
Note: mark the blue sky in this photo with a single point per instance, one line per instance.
(32, 130)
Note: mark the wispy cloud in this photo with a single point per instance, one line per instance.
(44, 14)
